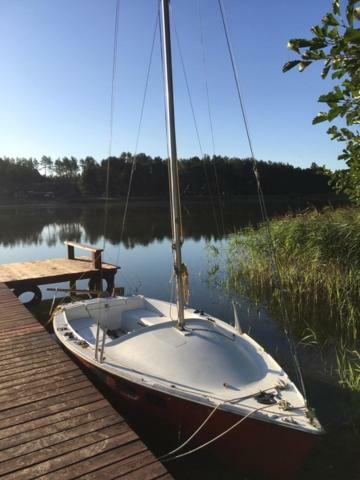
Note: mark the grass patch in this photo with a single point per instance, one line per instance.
(318, 254)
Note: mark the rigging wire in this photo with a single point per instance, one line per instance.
(205, 77)
(187, 86)
(111, 125)
(276, 265)
(236, 75)
(220, 203)
(210, 116)
(111, 122)
(133, 163)
(195, 125)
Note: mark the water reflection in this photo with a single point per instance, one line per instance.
(146, 222)
(35, 226)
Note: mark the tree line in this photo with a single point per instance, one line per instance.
(218, 175)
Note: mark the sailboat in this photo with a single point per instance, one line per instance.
(204, 379)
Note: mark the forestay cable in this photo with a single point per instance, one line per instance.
(278, 279)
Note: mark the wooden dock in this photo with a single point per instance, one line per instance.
(27, 276)
(54, 424)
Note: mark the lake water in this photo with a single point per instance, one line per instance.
(144, 254)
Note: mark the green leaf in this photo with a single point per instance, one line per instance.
(289, 65)
(338, 74)
(309, 55)
(333, 131)
(320, 117)
(350, 14)
(334, 33)
(352, 118)
(331, 97)
(293, 46)
(297, 43)
(352, 35)
(317, 31)
(325, 71)
(333, 113)
(318, 43)
(348, 133)
(303, 65)
(329, 19)
(336, 7)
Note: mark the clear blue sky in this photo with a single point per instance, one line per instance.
(55, 82)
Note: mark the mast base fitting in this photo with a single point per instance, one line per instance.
(183, 331)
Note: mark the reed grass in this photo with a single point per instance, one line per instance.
(318, 257)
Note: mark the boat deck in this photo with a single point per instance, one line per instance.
(54, 423)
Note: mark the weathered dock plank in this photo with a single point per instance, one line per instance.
(54, 423)
(43, 272)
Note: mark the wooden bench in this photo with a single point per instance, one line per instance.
(95, 252)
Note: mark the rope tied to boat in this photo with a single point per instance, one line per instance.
(52, 305)
(281, 386)
(163, 457)
(53, 311)
(212, 440)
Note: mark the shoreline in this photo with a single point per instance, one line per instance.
(292, 200)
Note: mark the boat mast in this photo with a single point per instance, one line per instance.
(173, 167)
